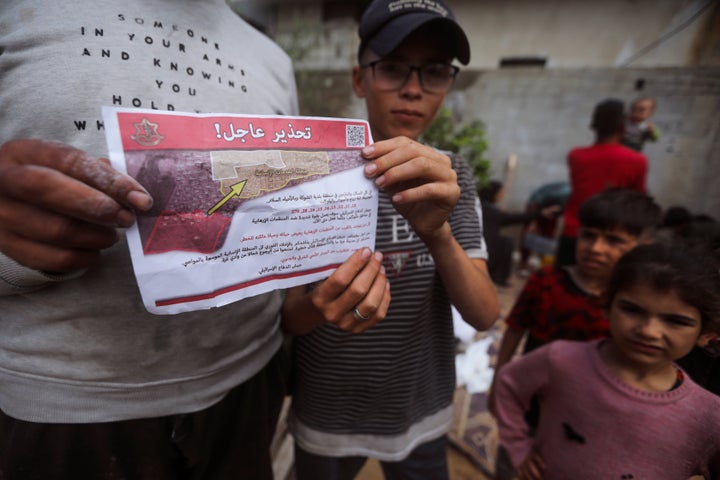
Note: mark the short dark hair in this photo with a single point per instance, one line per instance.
(692, 274)
(677, 215)
(608, 117)
(489, 192)
(630, 210)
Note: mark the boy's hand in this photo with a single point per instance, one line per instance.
(419, 179)
(653, 131)
(59, 207)
(354, 298)
(531, 468)
(357, 295)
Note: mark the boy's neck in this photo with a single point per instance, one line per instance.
(587, 283)
(658, 378)
(611, 140)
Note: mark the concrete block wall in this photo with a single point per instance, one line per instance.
(539, 115)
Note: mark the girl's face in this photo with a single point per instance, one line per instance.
(650, 328)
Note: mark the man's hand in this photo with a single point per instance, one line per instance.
(419, 179)
(59, 207)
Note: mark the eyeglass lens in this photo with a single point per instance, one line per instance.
(433, 76)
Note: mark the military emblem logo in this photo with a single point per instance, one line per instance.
(146, 133)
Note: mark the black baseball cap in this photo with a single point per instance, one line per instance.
(386, 23)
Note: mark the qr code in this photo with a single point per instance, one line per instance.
(354, 136)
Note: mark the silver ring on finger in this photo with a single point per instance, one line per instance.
(359, 316)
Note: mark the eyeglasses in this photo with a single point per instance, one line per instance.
(392, 75)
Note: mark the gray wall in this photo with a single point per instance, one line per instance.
(539, 115)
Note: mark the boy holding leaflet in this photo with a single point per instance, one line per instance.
(387, 393)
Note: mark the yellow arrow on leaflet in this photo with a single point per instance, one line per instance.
(235, 191)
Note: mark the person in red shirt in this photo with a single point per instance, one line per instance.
(605, 164)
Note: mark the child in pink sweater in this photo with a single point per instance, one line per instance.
(621, 408)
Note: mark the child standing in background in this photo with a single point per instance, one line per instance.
(621, 408)
(566, 302)
(638, 127)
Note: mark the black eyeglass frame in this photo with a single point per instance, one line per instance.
(416, 68)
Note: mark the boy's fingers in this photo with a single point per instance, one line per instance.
(375, 304)
(339, 281)
(409, 164)
(386, 154)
